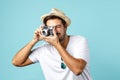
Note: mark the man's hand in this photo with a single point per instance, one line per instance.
(53, 40)
(38, 35)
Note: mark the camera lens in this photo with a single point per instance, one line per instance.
(45, 32)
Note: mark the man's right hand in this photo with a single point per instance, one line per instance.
(38, 34)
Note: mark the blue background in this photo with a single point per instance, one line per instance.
(97, 20)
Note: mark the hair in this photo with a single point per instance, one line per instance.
(53, 17)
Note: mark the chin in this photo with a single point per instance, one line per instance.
(61, 39)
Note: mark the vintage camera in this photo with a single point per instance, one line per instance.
(47, 31)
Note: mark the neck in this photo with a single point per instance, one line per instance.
(64, 43)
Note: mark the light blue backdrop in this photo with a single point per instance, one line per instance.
(97, 20)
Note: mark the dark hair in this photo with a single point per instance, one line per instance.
(53, 17)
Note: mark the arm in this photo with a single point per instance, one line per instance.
(75, 65)
(21, 58)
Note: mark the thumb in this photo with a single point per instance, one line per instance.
(54, 32)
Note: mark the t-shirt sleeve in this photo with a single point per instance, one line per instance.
(81, 49)
(33, 55)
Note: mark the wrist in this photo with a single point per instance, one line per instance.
(33, 42)
(57, 44)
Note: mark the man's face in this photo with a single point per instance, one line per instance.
(60, 29)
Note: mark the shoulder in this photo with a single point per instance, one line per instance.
(78, 38)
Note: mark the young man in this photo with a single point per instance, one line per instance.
(63, 57)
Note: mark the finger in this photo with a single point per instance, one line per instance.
(42, 25)
(39, 30)
(47, 37)
(36, 32)
(44, 38)
(54, 32)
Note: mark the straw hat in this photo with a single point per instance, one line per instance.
(58, 13)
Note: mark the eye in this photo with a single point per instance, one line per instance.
(58, 26)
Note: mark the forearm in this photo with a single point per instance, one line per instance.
(23, 54)
(75, 65)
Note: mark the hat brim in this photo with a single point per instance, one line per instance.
(65, 18)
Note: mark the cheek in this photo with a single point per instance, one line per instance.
(64, 30)
(58, 30)
(61, 30)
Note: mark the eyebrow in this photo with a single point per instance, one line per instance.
(58, 25)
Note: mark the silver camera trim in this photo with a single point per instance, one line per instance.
(47, 31)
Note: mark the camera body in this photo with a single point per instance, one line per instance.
(47, 31)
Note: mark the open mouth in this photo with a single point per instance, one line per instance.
(58, 34)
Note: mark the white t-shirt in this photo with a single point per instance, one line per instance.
(50, 60)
